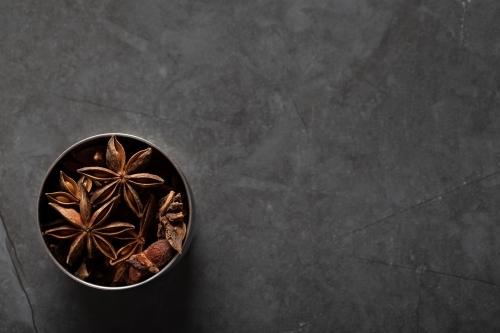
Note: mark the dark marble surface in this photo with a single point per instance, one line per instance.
(344, 157)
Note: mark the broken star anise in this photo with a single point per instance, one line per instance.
(121, 176)
(136, 239)
(171, 215)
(150, 260)
(87, 228)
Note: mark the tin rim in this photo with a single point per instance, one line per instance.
(189, 231)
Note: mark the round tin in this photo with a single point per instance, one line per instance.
(102, 139)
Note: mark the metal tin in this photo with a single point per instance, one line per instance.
(189, 232)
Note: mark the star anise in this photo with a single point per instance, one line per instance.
(171, 215)
(137, 241)
(87, 228)
(121, 177)
(120, 274)
(70, 195)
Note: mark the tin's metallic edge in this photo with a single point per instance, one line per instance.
(189, 232)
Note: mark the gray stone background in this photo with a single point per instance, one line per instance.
(344, 157)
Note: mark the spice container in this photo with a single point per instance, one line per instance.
(115, 212)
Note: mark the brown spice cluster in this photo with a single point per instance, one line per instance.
(118, 223)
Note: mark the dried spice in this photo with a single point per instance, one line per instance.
(121, 177)
(103, 211)
(87, 228)
(136, 239)
(171, 216)
(120, 274)
(82, 272)
(149, 261)
(69, 196)
(85, 157)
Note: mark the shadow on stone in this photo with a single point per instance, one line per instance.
(162, 304)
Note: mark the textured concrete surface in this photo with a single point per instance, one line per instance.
(344, 157)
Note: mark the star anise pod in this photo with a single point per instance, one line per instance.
(120, 274)
(83, 271)
(171, 215)
(70, 195)
(150, 260)
(137, 241)
(121, 176)
(87, 228)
